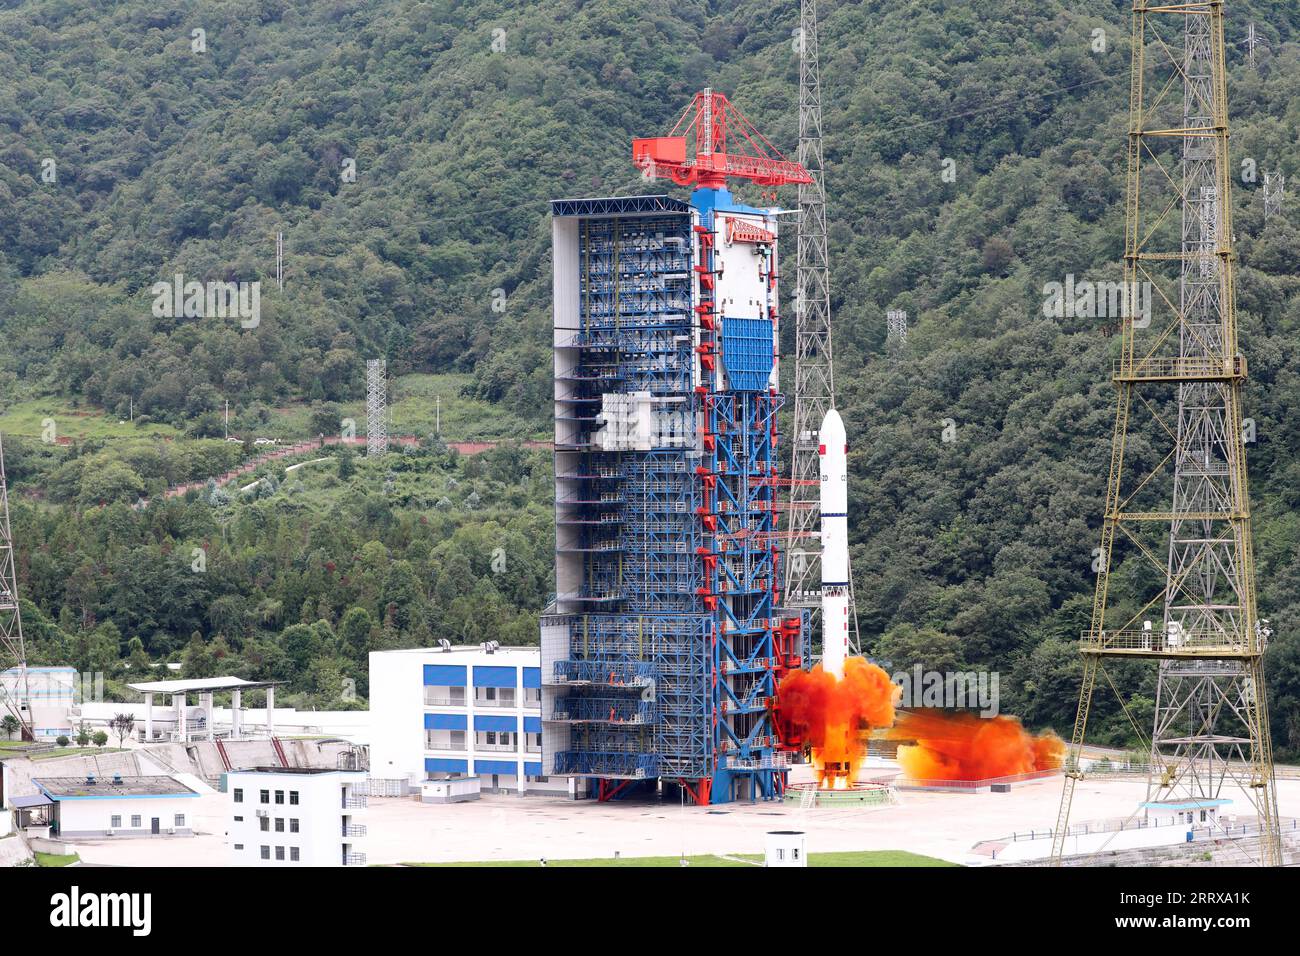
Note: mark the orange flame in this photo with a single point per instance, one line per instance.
(829, 714)
(964, 746)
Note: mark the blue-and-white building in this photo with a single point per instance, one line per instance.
(460, 711)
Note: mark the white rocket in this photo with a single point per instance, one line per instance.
(833, 453)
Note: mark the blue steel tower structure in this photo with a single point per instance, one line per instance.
(662, 651)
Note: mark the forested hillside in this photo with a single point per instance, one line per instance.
(974, 154)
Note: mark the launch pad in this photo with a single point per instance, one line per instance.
(809, 796)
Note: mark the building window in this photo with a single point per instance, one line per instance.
(293, 824)
(279, 796)
(239, 795)
(279, 824)
(180, 819)
(239, 846)
(279, 853)
(265, 824)
(442, 696)
(115, 821)
(794, 854)
(533, 743)
(266, 852)
(135, 821)
(239, 819)
(532, 697)
(780, 854)
(293, 854)
(293, 798)
(266, 796)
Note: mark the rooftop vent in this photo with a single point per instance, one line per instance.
(444, 643)
(90, 778)
(117, 779)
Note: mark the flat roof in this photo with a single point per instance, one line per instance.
(75, 788)
(293, 770)
(30, 800)
(464, 649)
(199, 683)
(1186, 804)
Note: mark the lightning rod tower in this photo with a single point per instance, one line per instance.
(13, 652)
(376, 407)
(1274, 193)
(1179, 386)
(814, 372)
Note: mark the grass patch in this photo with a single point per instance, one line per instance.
(28, 420)
(416, 401)
(875, 858)
(56, 859)
(75, 752)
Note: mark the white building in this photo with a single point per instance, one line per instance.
(117, 806)
(438, 713)
(45, 697)
(287, 816)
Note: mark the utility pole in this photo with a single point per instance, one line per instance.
(13, 652)
(437, 414)
(226, 425)
(279, 261)
(376, 408)
(1252, 41)
(1181, 379)
(814, 372)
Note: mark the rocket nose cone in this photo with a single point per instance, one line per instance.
(831, 433)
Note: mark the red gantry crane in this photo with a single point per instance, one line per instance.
(721, 144)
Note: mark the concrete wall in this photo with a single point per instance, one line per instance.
(18, 772)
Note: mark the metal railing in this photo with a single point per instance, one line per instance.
(354, 830)
(1180, 367)
(354, 859)
(1138, 641)
(354, 801)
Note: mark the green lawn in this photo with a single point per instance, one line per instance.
(75, 752)
(888, 858)
(29, 420)
(54, 859)
(416, 401)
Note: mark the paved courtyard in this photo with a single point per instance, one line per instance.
(527, 828)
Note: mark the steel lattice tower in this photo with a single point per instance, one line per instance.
(12, 649)
(1211, 720)
(814, 371)
(376, 408)
(1274, 193)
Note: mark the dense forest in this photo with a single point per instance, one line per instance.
(407, 151)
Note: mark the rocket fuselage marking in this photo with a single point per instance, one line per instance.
(835, 543)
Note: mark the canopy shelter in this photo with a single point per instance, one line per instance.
(205, 687)
(32, 810)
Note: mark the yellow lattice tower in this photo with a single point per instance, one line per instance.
(1177, 518)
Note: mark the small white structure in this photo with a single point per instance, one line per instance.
(442, 713)
(785, 848)
(296, 816)
(183, 722)
(451, 790)
(91, 807)
(46, 697)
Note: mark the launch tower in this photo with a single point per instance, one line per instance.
(666, 640)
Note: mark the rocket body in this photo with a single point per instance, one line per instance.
(833, 455)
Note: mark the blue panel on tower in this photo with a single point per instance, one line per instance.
(533, 769)
(747, 353)
(444, 675)
(496, 677)
(532, 677)
(532, 725)
(444, 721)
(445, 765)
